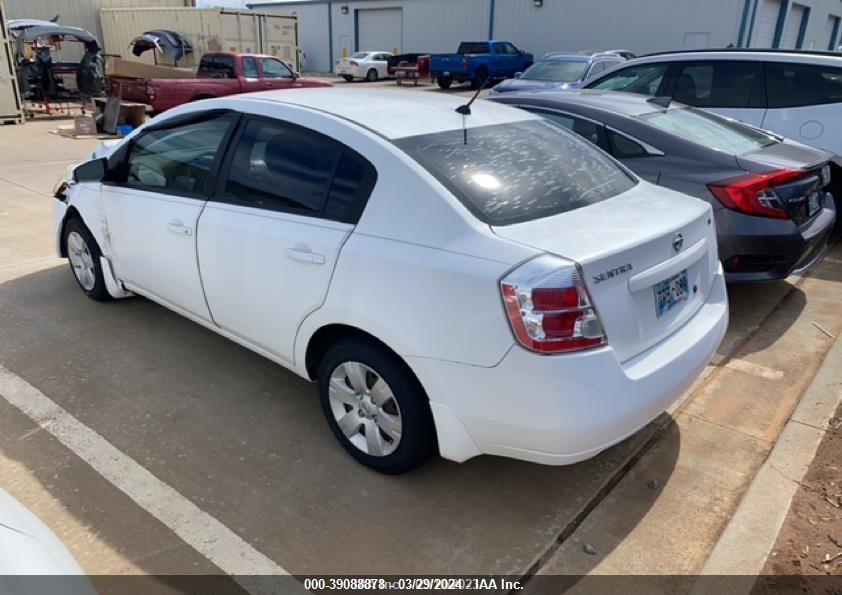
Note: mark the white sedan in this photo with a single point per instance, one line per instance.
(502, 287)
(370, 66)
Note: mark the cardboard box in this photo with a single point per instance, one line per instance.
(117, 67)
(84, 125)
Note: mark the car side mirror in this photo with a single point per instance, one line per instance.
(91, 171)
(518, 75)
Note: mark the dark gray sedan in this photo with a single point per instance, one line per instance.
(772, 198)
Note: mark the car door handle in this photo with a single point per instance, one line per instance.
(179, 228)
(305, 255)
(267, 85)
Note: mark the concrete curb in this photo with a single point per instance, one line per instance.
(750, 535)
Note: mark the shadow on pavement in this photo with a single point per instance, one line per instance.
(245, 441)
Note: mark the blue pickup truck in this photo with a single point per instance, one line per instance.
(479, 61)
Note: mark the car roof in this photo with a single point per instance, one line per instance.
(810, 57)
(571, 57)
(391, 113)
(614, 102)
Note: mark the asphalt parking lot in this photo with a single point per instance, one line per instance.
(241, 442)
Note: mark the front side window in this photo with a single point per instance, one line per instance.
(796, 85)
(556, 71)
(725, 83)
(518, 171)
(644, 79)
(176, 160)
(289, 168)
(274, 69)
(590, 131)
(597, 68)
(506, 48)
(710, 130)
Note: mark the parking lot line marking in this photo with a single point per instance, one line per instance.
(204, 533)
(742, 365)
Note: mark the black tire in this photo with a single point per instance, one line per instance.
(479, 79)
(444, 82)
(371, 76)
(417, 440)
(98, 291)
(348, 78)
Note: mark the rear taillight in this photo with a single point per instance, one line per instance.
(755, 193)
(354, 63)
(549, 308)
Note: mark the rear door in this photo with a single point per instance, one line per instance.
(276, 74)
(805, 103)
(287, 199)
(153, 207)
(732, 88)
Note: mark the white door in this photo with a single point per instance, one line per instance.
(380, 29)
(789, 39)
(767, 21)
(153, 209)
(269, 242)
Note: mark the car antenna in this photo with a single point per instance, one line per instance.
(663, 101)
(465, 109)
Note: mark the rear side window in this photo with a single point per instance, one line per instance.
(473, 48)
(283, 167)
(724, 83)
(176, 160)
(622, 147)
(217, 66)
(250, 68)
(797, 85)
(519, 171)
(644, 79)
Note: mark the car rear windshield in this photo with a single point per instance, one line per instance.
(710, 130)
(519, 171)
(473, 48)
(359, 55)
(556, 71)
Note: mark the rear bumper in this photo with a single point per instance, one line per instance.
(563, 409)
(770, 249)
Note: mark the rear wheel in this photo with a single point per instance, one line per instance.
(371, 75)
(375, 406)
(348, 78)
(83, 254)
(444, 82)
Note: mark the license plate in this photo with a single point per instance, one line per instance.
(446, 73)
(814, 203)
(671, 291)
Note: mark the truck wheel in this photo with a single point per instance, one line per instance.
(444, 82)
(479, 79)
(348, 78)
(371, 75)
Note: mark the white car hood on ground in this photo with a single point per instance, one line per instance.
(625, 247)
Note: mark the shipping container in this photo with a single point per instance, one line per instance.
(10, 103)
(206, 29)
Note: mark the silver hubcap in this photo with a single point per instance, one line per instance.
(365, 409)
(81, 260)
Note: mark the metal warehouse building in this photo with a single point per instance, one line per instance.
(330, 28)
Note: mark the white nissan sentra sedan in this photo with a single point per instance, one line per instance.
(480, 283)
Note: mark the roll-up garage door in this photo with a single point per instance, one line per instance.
(379, 29)
(789, 40)
(767, 20)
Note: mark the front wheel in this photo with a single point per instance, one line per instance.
(375, 406)
(83, 254)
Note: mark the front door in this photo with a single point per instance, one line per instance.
(276, 75)
(251, 80)
(271, 235)
(154, 205)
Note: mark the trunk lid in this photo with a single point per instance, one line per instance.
(625, 247)
(804, 197)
